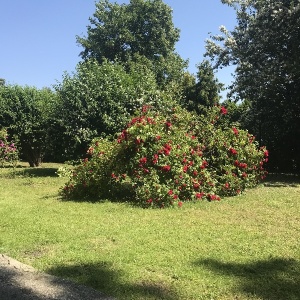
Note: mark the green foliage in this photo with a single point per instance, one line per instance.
(121, 32)
(98, 100)
(204, 92)
(264, 47)
(25, 112)
(162, 159)
(8, 150)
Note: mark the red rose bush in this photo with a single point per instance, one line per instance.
(166, 159)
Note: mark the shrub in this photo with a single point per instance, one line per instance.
(165, 159)
(8, 150)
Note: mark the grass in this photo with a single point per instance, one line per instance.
(245, 247)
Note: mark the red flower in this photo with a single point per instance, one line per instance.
(168, 124)
(123, 135)
(138, 141)
(223, 110)
(199, 195)
(113, 175)
(243, 165)
(168, 146)
(226, 185)
(146, 171)
(214, 197)
(185, 168)
(175, 196)
(166, 168)
(143, 160)
(166, 151)
(180, 203)
(232, 151)
(204, 164)
(196, 186)
(170, 192)
(155, 159)
(236, 132)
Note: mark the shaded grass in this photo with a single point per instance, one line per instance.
(245, 247)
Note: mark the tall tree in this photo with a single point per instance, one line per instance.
(264, 47)
(204, 91)
(140, 28)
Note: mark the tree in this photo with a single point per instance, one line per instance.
(98, 100)
(25, 112)
(264, 47)
(140, 28)
(205, 91)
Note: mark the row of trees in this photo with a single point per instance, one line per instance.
(97, 100)
(129, 60)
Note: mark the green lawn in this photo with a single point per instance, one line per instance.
(246, 247)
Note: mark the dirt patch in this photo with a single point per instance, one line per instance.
(21, 282)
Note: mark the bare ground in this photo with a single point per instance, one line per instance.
(21, 282)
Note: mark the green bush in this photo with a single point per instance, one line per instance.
(163, 159)
(25, 112)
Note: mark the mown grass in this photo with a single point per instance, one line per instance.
(245, 247)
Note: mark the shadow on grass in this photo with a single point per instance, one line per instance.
(104, 277)
(21, 171)
(274, 279)
(40, 172)
(282, 180)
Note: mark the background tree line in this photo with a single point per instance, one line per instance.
(129, 60)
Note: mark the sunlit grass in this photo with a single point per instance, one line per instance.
(245, 247)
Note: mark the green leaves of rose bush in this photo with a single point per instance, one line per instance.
(164, 159)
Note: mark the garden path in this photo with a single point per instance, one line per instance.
(21, 282)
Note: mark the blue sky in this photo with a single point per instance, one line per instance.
(38, 40)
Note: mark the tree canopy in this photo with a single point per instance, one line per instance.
(264, 47)
(25, 112)
(98, 100)
(204, 90)
(127, 31)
